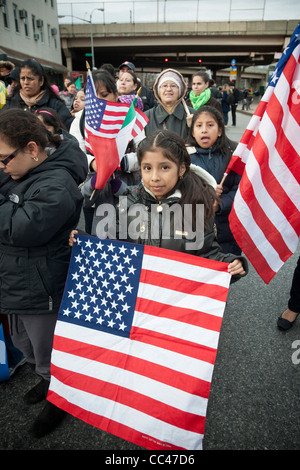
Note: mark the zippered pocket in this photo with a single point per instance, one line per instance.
(45, 286)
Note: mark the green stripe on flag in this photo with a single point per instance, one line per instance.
(130, 116)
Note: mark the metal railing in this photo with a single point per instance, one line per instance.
(167, 11)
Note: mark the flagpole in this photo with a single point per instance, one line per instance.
(92, 81)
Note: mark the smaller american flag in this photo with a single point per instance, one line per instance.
(136, 340)
(105, 135)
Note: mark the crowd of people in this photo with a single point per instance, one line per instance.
(47, 177)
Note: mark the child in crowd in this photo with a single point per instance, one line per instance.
(168, 179)
(210, 149)
(51, 120)
(78, 102)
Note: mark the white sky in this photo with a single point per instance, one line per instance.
(125, 11)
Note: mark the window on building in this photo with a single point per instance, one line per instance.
(23, 16)
(16, 18)
(33, 24)
(5, 14)
(41, 29)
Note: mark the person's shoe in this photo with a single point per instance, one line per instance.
(47, 421)
(37, 393)
(12, 369)
(284, 324)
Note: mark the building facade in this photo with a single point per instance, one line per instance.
(29, 29)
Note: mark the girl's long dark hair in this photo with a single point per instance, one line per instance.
(103, 76)
(194, 189)
(223, 144)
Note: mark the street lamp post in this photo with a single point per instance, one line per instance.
(92, 39)
(91, 29)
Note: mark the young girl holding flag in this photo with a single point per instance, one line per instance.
(210, 149)
(168, 179)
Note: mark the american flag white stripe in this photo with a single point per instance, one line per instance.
(187, 271)
(146, 352)
(265, 215)
(138, 383)
(140, 422)
(151, 385)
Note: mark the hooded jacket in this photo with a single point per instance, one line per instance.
(37, 213)
(172, 119)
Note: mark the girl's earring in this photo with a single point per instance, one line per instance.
(36, 159)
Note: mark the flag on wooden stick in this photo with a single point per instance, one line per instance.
(265, 218)
(136, 341)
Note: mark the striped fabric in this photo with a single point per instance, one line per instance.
(265, 218)
(136, 341)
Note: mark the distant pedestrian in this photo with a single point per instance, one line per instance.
(234, 104)
(225, 102)
(288, 317)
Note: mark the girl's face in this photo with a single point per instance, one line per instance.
(71, 88)
(79, 101)
(198, 85)
(206, 130)
(126, 84)
(104, 94)
(30, 83)
(159, 174)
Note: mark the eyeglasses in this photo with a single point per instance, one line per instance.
(10, 157)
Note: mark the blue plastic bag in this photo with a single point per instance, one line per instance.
(4, 371)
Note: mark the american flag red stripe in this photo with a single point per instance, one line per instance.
(150, 385)
(265, 218)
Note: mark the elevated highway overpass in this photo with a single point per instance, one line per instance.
(186, 46)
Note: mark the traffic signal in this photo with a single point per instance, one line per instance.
(199, 60)
(166, 59)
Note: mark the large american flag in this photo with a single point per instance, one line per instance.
(136, 341)
(265, 218)
(103, 135)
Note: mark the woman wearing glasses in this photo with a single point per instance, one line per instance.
(171, 111)
(39, 204)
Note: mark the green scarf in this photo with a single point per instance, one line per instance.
(201, 99)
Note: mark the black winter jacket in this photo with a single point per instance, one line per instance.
(37, 213)
(216, 163)
(46, 101)
(143, 222)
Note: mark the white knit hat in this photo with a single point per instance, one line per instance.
(171, 75)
